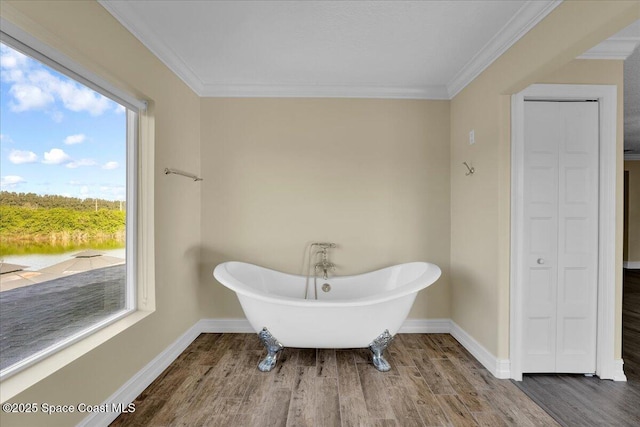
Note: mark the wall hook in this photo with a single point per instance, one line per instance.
(470, 168)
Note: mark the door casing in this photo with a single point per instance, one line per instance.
(607, 367)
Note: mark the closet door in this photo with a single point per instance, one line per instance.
(543, 135)
(561, 231)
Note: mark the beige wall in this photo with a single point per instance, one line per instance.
(92, 37)
(633, 233)
(381, 178)
(369, 175)
(480, 205)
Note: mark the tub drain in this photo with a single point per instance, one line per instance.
(326, 287)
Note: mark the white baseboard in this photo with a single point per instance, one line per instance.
(425, 326)
(141, 380)
(238, 326)
(618, 370)
(631, 265)
(500, 368)
(410, 326)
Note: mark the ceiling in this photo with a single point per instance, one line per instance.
(401, 49)
(375, 49)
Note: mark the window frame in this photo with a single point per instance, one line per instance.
(136, 167)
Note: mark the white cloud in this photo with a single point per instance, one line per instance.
(82, 162)
(28, 97)
(113, 192)
(56, 116)
(78, 98)
(10, 181)
(18, 157)
(75, 139)
(6, 138)
(110, 165)
(33, 87)
(55, 157)
(11, 59)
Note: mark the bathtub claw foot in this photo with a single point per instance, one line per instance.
(377, 347)
(273, 348)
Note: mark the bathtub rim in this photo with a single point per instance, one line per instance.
(428, 277)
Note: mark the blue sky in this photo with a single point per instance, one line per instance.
(56, 135)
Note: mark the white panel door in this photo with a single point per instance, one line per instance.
(543, 132)
(561, 236)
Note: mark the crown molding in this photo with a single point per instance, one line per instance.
(127, 16)
(613, 48)
(322, 91)
(529, 15)
(632, 156)
(124, 13)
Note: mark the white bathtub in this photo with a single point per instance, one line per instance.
(356, 310)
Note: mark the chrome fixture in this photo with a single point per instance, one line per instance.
(377, 347)
(168, 171)
(326, 287)
(471, 169)
(273, 348)
(324, 263)
(327, 245)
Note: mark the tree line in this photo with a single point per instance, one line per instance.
(50, 201)
(30, 217)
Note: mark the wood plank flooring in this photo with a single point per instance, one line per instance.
(631, 325)
(575, 400)
(434, 381)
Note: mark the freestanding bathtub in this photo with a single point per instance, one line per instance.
(363, 310)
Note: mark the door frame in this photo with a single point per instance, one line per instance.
(607, 367)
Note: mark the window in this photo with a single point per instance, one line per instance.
(68, 204)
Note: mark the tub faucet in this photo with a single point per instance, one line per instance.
(324, 263)
(324, 245)
(325, 266)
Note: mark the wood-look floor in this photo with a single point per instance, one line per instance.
(631, 325)
(434, 381)
(575, 400)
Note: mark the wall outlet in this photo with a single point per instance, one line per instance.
(472, 137)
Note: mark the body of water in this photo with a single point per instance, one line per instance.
(39, 261)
